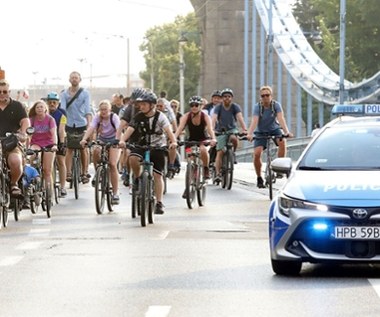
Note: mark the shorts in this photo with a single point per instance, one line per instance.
(222, 139)
(263, 141)
(74, 136)
(157, 157)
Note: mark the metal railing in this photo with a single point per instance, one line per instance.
(294, 149)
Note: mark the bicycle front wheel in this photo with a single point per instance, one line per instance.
(190, 180)
(100, 190)
(75, 176)
(48, 200)
(56, 184)
(108, 188)
(144, 199)
(201, 187)
(269, 180)
(230, 170)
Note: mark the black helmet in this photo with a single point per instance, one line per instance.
(216, 93)
(227, 91)
(52, 96)
(136, 93)
(148, 96)
(195, 99)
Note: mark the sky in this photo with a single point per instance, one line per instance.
(44, 40)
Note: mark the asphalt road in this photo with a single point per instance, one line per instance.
(208, 261)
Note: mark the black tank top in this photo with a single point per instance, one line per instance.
(197, 132)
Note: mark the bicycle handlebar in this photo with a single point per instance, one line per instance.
(192, 143)
(147, 147)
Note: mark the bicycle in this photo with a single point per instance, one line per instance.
(228, 160)
(56, 181)
(103, 188)
(195, 182)
(269, 176)
(4, 188)
(143, 196)
(41, 189)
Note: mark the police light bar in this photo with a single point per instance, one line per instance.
(357, 110)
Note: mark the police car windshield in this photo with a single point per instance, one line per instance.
(344, 148)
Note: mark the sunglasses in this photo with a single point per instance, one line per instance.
(194, 105)
(174, 106)
(227, 96)
(265, 95)
(4, 92)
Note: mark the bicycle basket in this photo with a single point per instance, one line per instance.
(9, 143)
(73, 140)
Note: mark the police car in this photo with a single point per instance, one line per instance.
(329, 208)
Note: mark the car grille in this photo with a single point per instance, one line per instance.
(325, 243)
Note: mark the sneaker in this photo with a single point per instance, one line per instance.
(62, 192)
(69, 178)
(206, 172)
(218, 178)
(126, 181)
(93, 182)
(235, 160)
(184, 196)
(159, 208)
(84, 179)
(260, 182)
(115, 199)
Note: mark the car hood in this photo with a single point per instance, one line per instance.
(346, 188)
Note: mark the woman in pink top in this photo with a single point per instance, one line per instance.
(45, 135)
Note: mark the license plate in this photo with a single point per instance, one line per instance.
(357, 233)
(372, 109)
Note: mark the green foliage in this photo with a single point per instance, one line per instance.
(362, 33)
(161, 50)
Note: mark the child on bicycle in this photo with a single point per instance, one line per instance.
(150, 125)
(199, 127)
(105, 124)
(268, 119)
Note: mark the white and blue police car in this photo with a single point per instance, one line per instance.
(329, 208)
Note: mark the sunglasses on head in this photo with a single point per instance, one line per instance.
(265, 95)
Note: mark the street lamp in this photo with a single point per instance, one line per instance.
(342, 49)
(181, 41)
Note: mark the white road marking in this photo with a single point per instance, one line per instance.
(10, 260)
(375, 284)
(158, 311)
(44, 221)
(161, 236)
(39, 232)
(29, 245)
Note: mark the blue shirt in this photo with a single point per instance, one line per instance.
(78, 110)
(267, 117)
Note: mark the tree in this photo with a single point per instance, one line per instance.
(362, 33)
(161, 48)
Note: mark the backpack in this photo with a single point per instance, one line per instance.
(112, 123)
(271, 106)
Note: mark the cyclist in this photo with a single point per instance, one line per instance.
(126, 117)
(105, 125)
(268, 119)
(75, 100)
(60, 120)
(150, 125)
(216, 99)
(224, 119)
(45, 135)
(199, 128)
(13, 118)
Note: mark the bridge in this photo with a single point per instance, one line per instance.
(235, 54)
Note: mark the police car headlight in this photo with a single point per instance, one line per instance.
(285, 204)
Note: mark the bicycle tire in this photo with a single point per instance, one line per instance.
(151, 202)
(100, 191)
(108, 187)
(201, 187)
(230, 170)
(144, 199)
(134, 203)
(55, 182)
(4, 213)
(223, 169)
(189, 185)
(270, 181)
(16, 208)
(76, 175)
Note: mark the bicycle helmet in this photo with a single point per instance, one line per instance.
(148, 96)
(52, 96)
(227, 91)
(195, 99)
(216, 93)
(136, 93)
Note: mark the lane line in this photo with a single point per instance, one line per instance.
(10, 260)
(41, 221)
(29, 245)
(375, 284)
(158, 311)
(39, 232)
